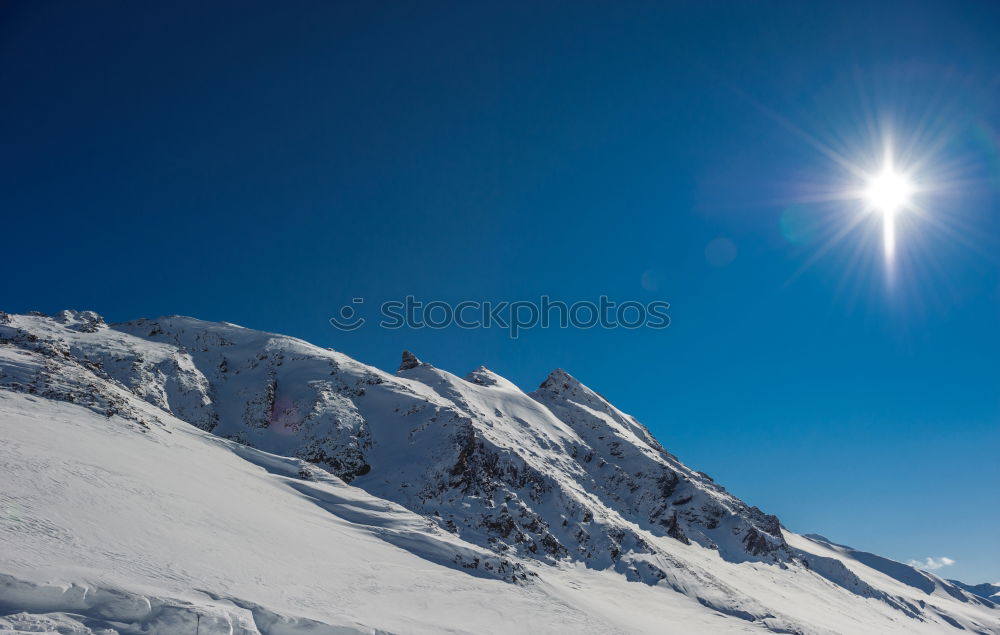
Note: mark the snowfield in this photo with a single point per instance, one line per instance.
(180, 476)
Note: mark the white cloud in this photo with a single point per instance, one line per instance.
(931, 564)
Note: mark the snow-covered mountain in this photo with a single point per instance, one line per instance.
(175, 475)
(988, 590)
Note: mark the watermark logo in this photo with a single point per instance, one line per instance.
(514, 317)
(347, 319)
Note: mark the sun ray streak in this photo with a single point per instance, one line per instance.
(889, 237)
(827, 246)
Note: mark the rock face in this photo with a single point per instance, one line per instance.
(409, 361)
(557, 475)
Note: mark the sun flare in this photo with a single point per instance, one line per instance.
(889, 191)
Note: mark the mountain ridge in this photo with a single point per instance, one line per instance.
(558, 477)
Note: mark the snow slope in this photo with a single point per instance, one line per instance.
(988, 590)
(175, 475)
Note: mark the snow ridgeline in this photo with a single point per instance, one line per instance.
(483, 478)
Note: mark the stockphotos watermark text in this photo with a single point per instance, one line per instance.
(514, 316)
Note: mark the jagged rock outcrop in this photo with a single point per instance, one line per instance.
(409, 361)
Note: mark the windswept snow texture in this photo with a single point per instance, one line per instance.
(180, 476)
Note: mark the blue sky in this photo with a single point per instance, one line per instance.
(264, 163)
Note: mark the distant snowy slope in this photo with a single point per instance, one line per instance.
(253, 481)
(990, 591)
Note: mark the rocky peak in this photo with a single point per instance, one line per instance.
(409, 361)
(82, 321)
(483, 376)
(559, 381)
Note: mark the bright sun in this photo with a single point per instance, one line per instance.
(889, 192)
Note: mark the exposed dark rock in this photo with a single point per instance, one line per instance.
(409, 361)
(674, 530)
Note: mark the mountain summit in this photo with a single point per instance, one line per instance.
(473, 491)
(409, 361)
